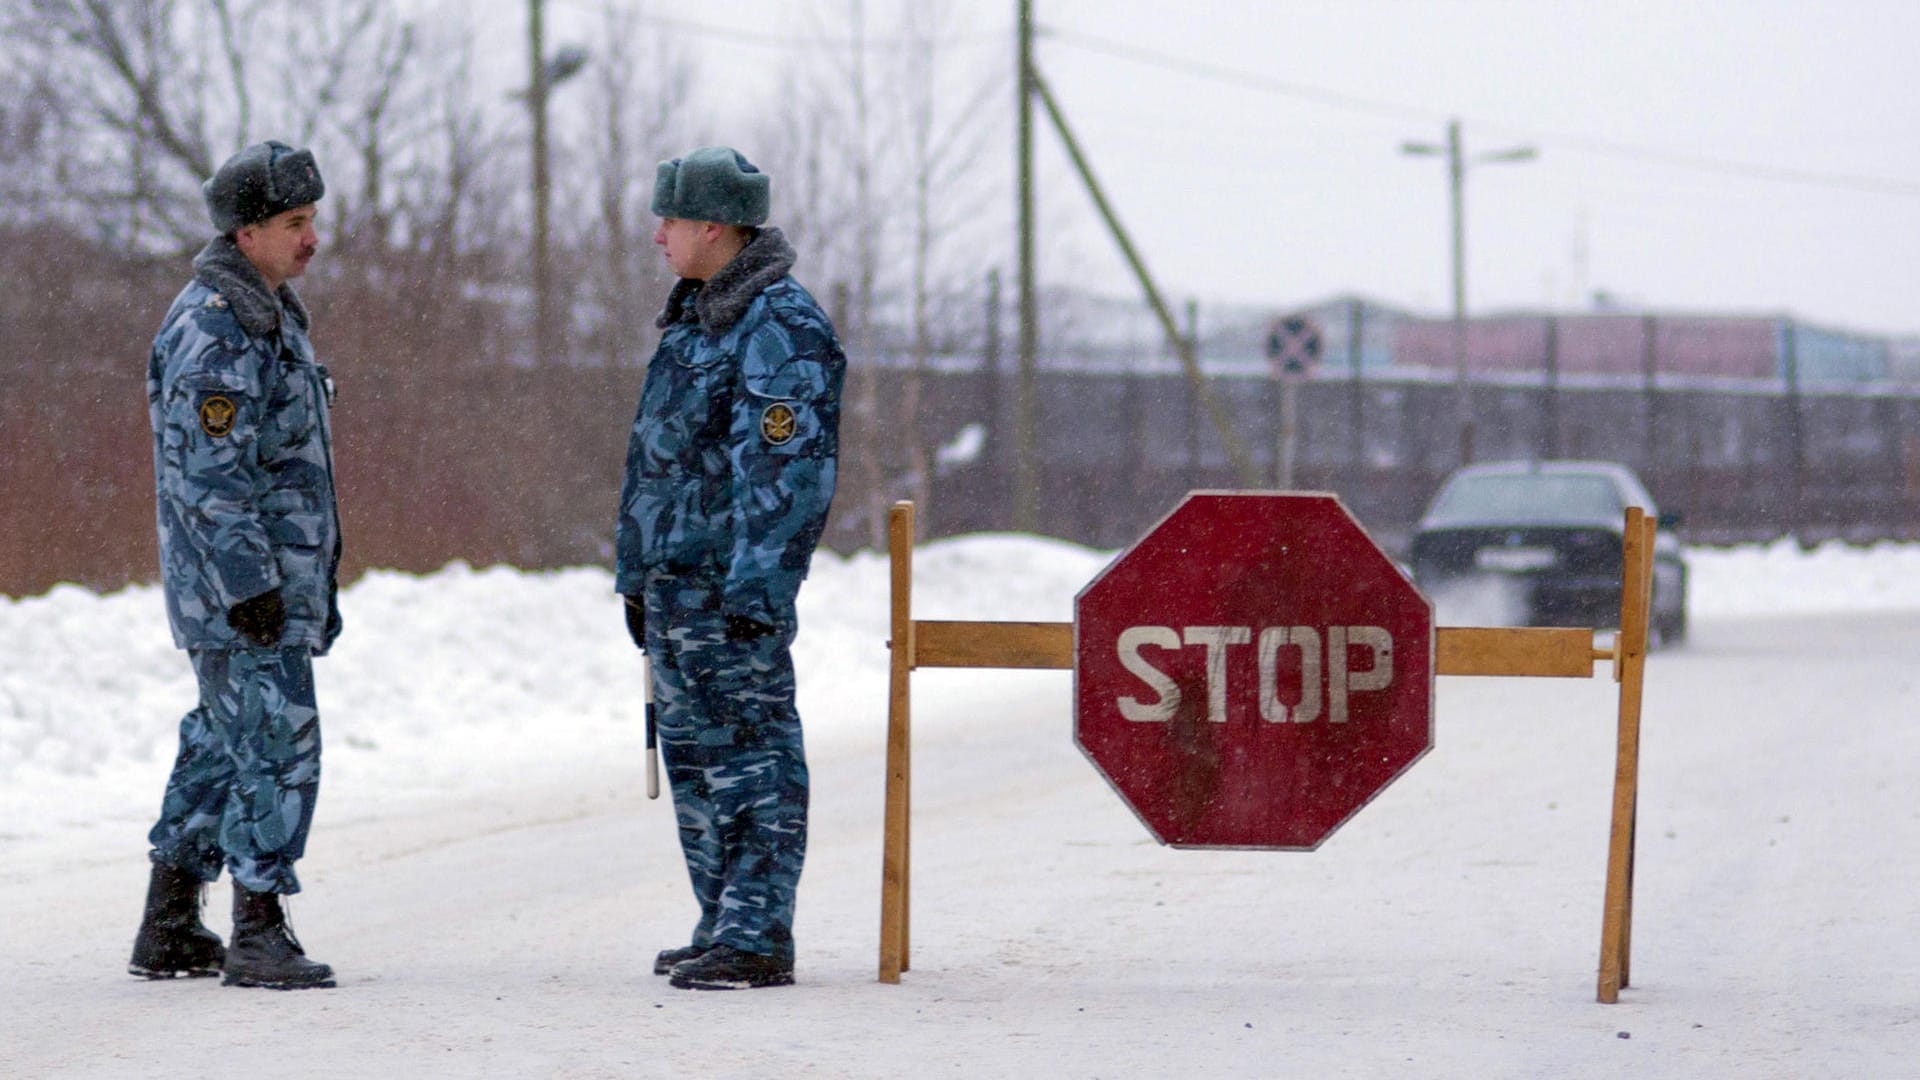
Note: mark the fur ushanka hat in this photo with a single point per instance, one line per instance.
(260, 181)
(713, 183)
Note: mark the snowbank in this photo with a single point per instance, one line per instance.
(455, 672)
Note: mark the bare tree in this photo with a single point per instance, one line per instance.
(368, 128)
(884, 154)
(945, 147)
(456, 197)
(22, 129)
(868, 231)
(130, 102)
(825, 139)
(635, 125)
(145, 97)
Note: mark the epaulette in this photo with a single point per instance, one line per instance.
(794, 308)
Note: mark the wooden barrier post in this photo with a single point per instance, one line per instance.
(1548, 652)
(1630, 660)
(894, 869)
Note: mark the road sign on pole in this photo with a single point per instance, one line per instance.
(1252, 672)
(1293, 348)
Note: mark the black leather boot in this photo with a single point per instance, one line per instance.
(171, 940)
(264, 951)
(664, 962)
(724, 967)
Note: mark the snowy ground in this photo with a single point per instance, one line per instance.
(490, 881)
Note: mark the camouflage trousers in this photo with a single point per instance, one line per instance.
(248, 770)
(730, 737)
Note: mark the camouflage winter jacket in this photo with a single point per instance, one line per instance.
(731, 464)
(242, 457)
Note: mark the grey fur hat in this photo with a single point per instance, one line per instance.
(260, 181)
(713, 183)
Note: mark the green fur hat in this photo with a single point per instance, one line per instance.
(713, 183)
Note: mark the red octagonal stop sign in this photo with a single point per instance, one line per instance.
(1252, 672)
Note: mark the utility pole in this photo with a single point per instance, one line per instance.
(1184, 346)
(547, 73)
(1457, 163)
(996, 378)
(1027, 478)
(1026, 473)
(542, 188)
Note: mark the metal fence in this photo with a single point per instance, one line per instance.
(444, 453)
(1118, 451)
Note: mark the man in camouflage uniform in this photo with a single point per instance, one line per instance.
(730, 469)
(249, 551)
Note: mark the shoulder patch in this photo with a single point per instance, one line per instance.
(796, 312)
(778, 423)
(216, 415)
(216, 321)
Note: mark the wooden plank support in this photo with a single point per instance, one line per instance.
(1630, 660)
(894, 870)
(993, 644)
(1550, 652)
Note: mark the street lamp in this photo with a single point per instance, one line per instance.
(1456, 179)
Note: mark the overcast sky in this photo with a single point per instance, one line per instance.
(1713, 155)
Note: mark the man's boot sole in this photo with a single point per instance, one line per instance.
(686, 983)
(156, 974)
(277, 984)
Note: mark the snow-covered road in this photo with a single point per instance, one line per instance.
(498, 920)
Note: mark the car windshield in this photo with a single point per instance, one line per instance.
(1526, 497)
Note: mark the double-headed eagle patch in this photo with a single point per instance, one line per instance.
(216, 415)
(778, 424)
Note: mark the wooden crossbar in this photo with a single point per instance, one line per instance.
(1550, 652)
(992, 644)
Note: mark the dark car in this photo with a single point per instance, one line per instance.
(1537, 543)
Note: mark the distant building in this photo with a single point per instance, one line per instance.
(1601, 348)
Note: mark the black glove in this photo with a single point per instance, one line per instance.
(636, 621)
(741, 628)
(261, 619)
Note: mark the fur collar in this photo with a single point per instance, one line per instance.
(221, 267)
(719, 303)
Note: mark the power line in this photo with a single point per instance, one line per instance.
(786, 42)
(1335, 99)
(1879, 185)
(1216, 73)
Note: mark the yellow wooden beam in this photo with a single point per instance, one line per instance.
(1630, 664)
(993, 644)
(1553, 652)
(895, 845)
